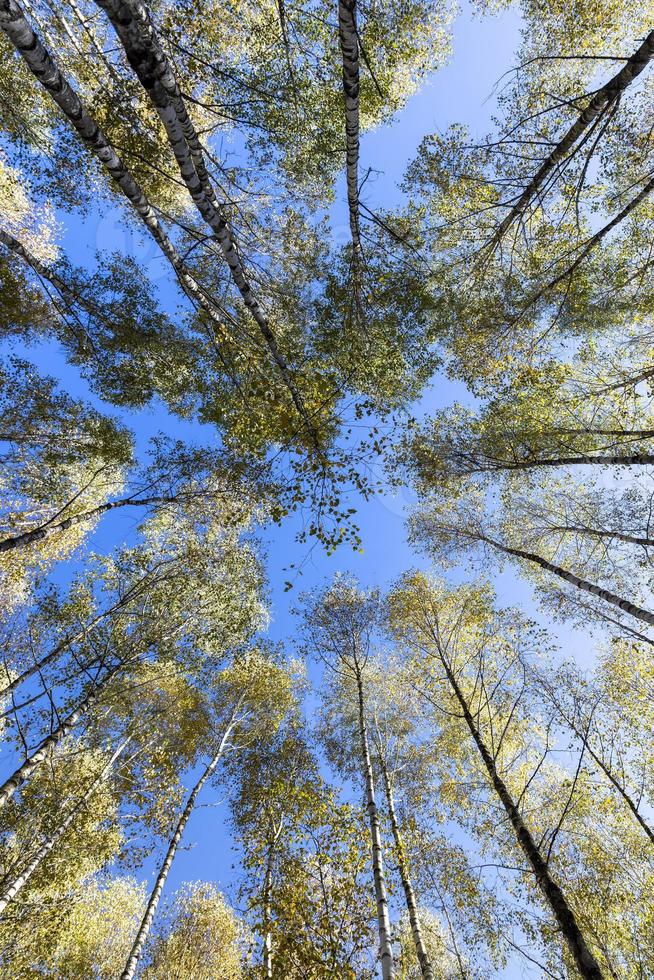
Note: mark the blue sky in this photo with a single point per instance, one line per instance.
(483, 49)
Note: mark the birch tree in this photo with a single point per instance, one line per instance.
(251, 690)
(35, 839)
(337, 627)
(397, 759)
(109, 324)
(462, 528)
(305, 865)
(395, 749)
(153, 900)
(457, 636)
(541, 421)
(213, 138)
(537, 232)
(12, 888)
(162, 627)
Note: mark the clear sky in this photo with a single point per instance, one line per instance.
(483, 49)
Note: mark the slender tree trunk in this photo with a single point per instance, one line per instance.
(267, 952)
(46, 530)
(267, 913)
(615, 600)
(43, 67)
(24, 771)
(146, 56)
(39, 267)
(592, 431)
(348, 37)
(595, 533)
(583, 957)
(426, 968)
(637, 459)
(10, 891)
(50, 275)
(52, 655)
(604, 97)
(629, 382)
(383, 921)
(133, 959)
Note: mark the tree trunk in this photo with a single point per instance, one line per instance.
(592, 431)
(267, 914)
(384, 926)
(604, 97)
(24, 771)
(153, 901)
(348, 37)
(45, 530)
(146, 56)
(46, 272)
(426, 968)
(40, 268)
(615, 600)
(10, 891)
(583, 958)
(637, 459)
(594, 533)
(629, 382)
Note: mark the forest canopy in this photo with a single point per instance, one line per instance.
(256, 726)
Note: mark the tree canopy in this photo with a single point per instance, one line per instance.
(236, 747)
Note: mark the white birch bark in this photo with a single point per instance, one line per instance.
(267, 955)
(35, 263)
(47, 273)
(46, 530)
(637, 459)
(21, 880)
(564, 915)
(43, 67)
(267, 903)
(612, 535)
(615, 600)
(347, 32)
(267, 951)
(383, 920)
(133, 959)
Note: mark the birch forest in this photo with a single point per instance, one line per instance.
(326, 489)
